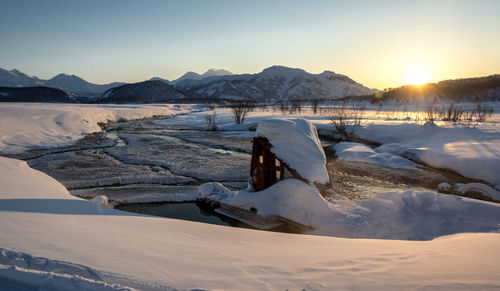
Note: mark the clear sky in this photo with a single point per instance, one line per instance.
(374, 42)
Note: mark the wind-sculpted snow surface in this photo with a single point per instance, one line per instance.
(38, 125)
(407, 215)
(94, 247)
(21, 271)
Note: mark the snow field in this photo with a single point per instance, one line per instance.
(91, 245)
(25, 126)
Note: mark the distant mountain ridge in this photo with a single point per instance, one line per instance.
(274, 84)
(70, 83)
(35, 94)
(143, 92)
(209, 73)
(466, 89)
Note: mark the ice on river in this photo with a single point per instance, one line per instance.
(141, 193)
(182, 158)
(91, 168)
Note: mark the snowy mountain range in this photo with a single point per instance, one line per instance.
(70, 83)
(274, 84)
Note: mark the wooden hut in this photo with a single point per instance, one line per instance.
(266, 168)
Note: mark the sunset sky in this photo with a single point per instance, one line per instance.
(377, 43)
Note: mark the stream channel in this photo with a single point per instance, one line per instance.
(147, 168)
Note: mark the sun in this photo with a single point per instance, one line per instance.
(417, 75)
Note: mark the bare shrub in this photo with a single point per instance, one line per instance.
(358, 111)
(211, 117)
(295, 107)
(483, 112)
(468, 118)
(343, 115)
(430, 114)
(379, 110)
(283, 107)
(240, 111)
(314, 105)
(452, 113)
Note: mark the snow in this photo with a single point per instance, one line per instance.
(444, 187)
(472, 152)
(352, 151)
(85, 245)
(403, 215)
(25, 126)
(296, 142)
(50, 238)
(481, 188)
(100, 199)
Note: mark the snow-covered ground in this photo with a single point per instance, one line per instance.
(52, 240)
(472, 152)
(26, 126)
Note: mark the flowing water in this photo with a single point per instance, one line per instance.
(139, 162)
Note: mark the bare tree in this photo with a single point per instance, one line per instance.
(211, 117)
(314, 105)
(240, 111)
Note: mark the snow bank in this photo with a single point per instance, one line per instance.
(407, 215)
(18, 180)
(471, 152)
(352, 151)
(296, 142)
(82, 246)
(479, 187)
(25, 126)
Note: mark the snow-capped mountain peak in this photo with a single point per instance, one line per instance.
(216, 72)
(209, 73)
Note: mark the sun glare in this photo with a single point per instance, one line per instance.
(417, 76)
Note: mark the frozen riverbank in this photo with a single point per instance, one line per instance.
(25, 126)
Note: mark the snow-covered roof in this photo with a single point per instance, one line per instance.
(295, 142)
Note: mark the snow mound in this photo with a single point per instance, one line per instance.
(101, 200)
(444, 187)
(295, 142)
(472, 152)
(17, 180)
(352, 151)
(479, 187)
(407, 215)
(214, 191)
